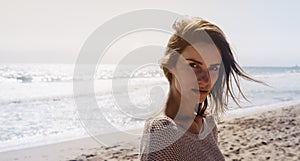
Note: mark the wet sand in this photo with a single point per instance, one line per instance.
(269, 135)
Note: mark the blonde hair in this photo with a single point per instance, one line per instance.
(189, 30)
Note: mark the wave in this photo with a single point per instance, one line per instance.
(266, 71)
(29, 73)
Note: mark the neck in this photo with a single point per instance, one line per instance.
(172, 105)
(181, 111)
(179, 107)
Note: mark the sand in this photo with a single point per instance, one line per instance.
(271, 135)
(82, 149)
(268, 135)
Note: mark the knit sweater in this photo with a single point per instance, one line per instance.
(163, 139)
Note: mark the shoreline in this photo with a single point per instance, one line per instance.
(249, 111)
(234, 143)
(230, 114)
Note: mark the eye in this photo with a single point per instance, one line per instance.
(213, 68)
(194, 65)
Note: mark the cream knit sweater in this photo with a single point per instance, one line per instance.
(163, 139)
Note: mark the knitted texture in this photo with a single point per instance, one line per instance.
(164, 140)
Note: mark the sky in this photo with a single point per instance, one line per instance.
(262, 33)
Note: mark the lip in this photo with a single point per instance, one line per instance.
(200, 90)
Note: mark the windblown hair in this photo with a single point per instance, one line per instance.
(189, 30)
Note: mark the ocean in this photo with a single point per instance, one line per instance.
(37, 104)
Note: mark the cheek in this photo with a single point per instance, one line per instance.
(185, 81)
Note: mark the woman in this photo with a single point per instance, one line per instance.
(200, 68)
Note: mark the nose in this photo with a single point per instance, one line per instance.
(203, 77)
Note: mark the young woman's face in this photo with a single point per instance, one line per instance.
(197, 70)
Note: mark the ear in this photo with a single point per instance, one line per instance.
(173, 72)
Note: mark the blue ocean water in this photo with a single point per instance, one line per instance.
(37, 105)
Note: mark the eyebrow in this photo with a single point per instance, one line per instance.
(195, 61)
(215, 64)
(202, 63)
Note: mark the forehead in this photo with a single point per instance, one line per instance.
(203, 52)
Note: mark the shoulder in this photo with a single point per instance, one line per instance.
(160, 123)
(210, 121)
(159, 132)
(208, 127)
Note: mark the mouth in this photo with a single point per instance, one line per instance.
(200, 90)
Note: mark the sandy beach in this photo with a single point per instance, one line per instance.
(264, 135)
(271, 135)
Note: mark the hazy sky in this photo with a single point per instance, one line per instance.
(262, 33)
